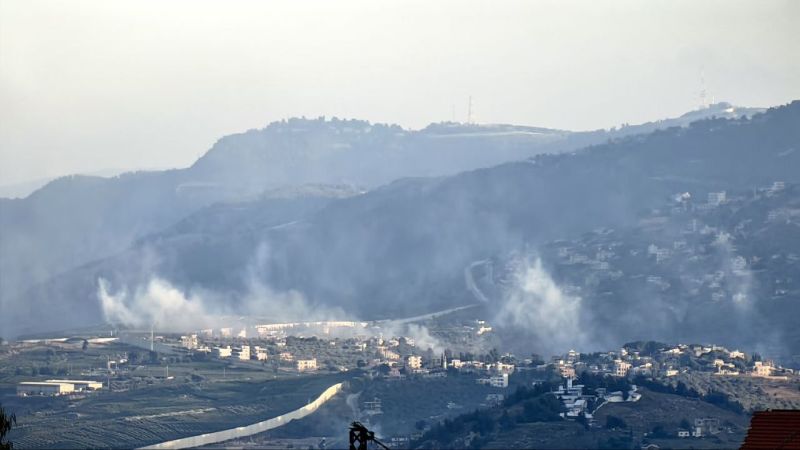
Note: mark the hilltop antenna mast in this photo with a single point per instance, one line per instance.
(470, 119)
(703, 93)
(152, 325)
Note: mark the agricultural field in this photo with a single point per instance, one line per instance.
(407, 406)
(754, 393)
(150, 402)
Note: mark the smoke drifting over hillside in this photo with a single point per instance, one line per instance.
(536, 306)
(159, 302)
(156, 303)
(735, 268)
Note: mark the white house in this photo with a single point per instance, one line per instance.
(222, 352)
(306, 364)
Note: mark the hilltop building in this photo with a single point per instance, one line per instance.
(763, 369)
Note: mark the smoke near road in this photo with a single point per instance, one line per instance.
(159, 302)
(536, 306)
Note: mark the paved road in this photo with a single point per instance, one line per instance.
(470, 280)
(426, 316)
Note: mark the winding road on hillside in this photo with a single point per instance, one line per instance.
(470, 280)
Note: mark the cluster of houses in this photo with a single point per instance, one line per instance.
(246, 352)
(495, 374)
(578, 403)
(588, 260)
(281, 330)
(669, 362)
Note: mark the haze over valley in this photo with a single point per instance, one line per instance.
(420, 225)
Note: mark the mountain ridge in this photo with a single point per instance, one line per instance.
(408, 255)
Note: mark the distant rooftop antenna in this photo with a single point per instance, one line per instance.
(703, 92)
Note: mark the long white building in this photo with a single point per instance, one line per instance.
(26, 388)
(81, 385)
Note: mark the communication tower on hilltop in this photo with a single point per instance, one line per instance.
(703, 92)
(470, 118)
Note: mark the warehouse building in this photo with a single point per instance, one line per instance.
(26, 388)
(81, 385)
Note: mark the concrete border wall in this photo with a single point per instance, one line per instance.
(249, 430)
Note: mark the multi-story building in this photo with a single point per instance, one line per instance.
(716, 198)
(388, 354)
(189, 342)
(414, 362)
(500, 381)
(621, 368)
(762, 369)
(242, 352)
(303, 365)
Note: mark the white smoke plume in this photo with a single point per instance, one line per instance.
(169, 308)
(738, 274)
(536, 306)
(156, 303)
(423, 338)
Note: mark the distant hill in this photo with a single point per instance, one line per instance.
(78, 219)
(401, 249)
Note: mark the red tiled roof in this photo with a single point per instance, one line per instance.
(776, 429)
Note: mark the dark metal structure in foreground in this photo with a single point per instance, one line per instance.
(360, 436)
(775, 429)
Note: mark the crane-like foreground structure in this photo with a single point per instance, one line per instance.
(360, 436)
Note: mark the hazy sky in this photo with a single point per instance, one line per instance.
(89, 85)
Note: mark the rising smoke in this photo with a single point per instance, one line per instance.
(160, 303)
(535, 306)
